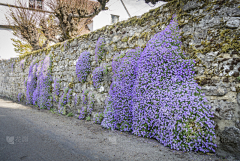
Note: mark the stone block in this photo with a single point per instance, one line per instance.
(233, 22)
(230, 142)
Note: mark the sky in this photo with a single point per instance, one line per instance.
(135, 8)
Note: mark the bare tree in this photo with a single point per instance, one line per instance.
(24, 24)
(70, 13)
(49, 28)
(30, 25)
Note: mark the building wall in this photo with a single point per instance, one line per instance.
(217, 68)
(135, 8)
(7, 50)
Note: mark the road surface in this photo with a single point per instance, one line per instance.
(29, 134)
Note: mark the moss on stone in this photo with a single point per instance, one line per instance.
(125, 39)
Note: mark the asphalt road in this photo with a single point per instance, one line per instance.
(29, 134)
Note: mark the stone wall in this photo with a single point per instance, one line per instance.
(210, 35)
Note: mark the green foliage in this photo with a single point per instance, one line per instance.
(70, 114)
(238, 78)
(52, 110)
(88, 118)
(21, 47)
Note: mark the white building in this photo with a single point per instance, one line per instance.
(6, 47)
(116, 12)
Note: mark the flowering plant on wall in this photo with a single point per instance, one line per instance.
(121, 90)
(56, 91)
(76, 100)
(85, 112)
(63, 102)
(98, 76)
(45, 94)
(31, 82)
(166, 103)
(36, 92)
(99, 50)
(12, 66)
(69, 97)
(20, 97)
(84, 96)
(98, 117)
(22, 64)
(39, 83)
(83, 66)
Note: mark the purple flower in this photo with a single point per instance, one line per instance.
(22, 64)
(97, 76)
(153, 94)
(56, 90)
(63, 102)
(83, 66)
(20, 97)
(99, 50)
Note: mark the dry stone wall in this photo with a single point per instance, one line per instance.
(210, 35)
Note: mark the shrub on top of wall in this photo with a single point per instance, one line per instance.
(99, 50)
(83, 66)
(120, 94)
(167, 104)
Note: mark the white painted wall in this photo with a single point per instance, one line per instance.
(135, 8)
(6, 47)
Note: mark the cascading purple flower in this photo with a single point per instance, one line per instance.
(83, 66)
(121, 90)
(86, 110)
(69, 96)
(97, 76)
(31, 82)
(99, 50)
(20, 97)
(22, 63)
(56, 91)
(37, 90)
(98, 118)
(76, 100)
(84, 94)
(45, 94)
(63, 102)
(12, 66)
(166, 103)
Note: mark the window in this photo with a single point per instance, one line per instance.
(115, 19)
(36, 4)
(39, 4)
(31, 3)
